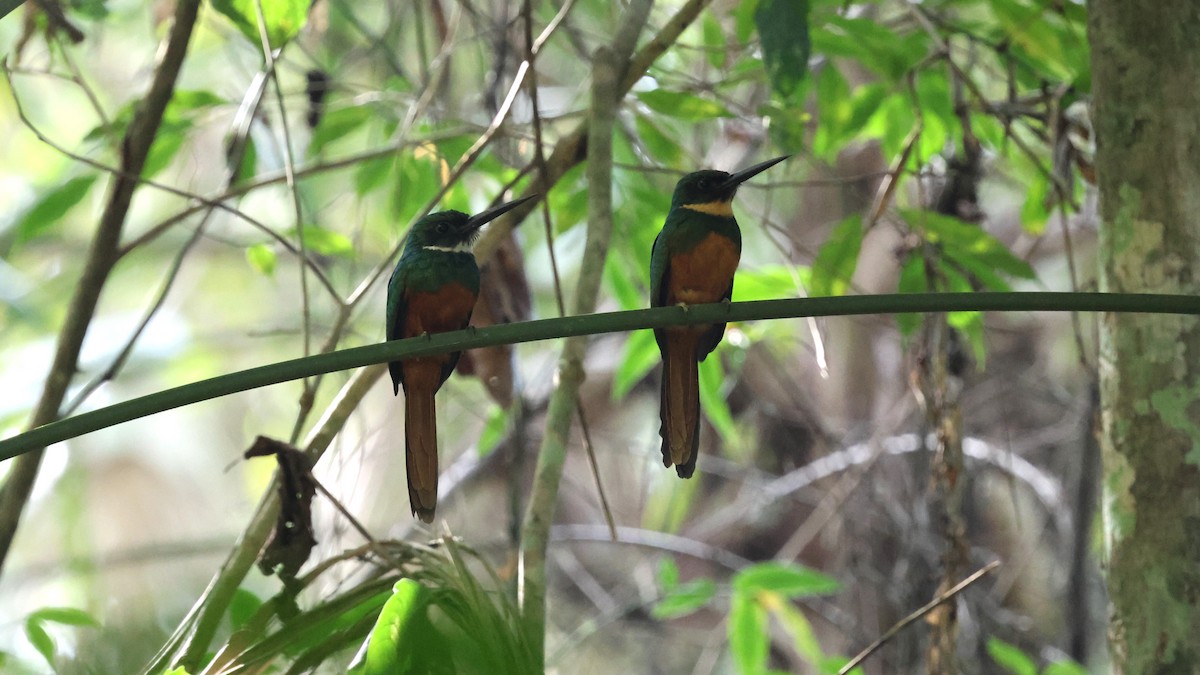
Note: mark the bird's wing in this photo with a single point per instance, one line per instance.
(397, 313)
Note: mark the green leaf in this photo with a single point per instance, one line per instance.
(747, 625)
(242, 607)
(837, 258)
(715, 44)
(783, 29)
(326, 242)
(262, 258)
(685, 599)
(639, 356)
(41, 640)
(712, 397)
(787, 579)
(912, 280)
(401, 633)
(668, 574)
(969, 245)
(337, 123)
(798, 626)
(371, 173)
(68, 616)
(493, 431)
(682, 105)
(166, 145)
(662, 148)
(1010, 658)
(52, 207)
(769, 282)
(284, 18)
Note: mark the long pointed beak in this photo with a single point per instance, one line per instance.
(479, 219)
(750, 172)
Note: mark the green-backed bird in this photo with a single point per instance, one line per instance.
(433, 289)
(693, 262)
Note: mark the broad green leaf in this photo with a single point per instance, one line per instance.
(712, 397)
(402, 633)
(416, 177)
(326, 242)
(371, 173)
(41, 640)
(1034, 214)
(262, 258)
(769, 282)
(837, 258)
(1011, 658)
(493, 430)
(800, 629)
(52, 206)
(748, 640)
(682, 105)
(743, 19)
(787, 579)
(662, 148)
(337, 123)
(638, 357)
(968, 244)
(68, 616)
(833, 109)
(249, 168)
(783, 30)
(242, 607)
(618, 279)
(668, 574)
(685, 599)
(889, 54)
(283, 18)
(912, 280)
(716, 46)
(166, 145)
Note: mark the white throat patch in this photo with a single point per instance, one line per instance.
(463, 247)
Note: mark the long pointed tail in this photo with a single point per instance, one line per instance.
(680, 406)
(420, 436)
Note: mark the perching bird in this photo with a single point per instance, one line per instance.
(693, 262)
(432, 290)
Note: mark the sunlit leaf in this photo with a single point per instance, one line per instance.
(783, 29)
(68, 616)
(493, 430)
(326, 242)
(1011, 658)
(837, 258)
(683, 105)
(283, 18)
(1064, 668)
(402, 633)
(769, 282)
(969, 244)
(748, 640)
(799, 628)
(912, 280)
(787, 579)
(668, 574)
(715, 43)
(262, 258)
(371, 173)
(41, 640)
(712, 397)
(52, 206)
(637, 358)
(685, 599)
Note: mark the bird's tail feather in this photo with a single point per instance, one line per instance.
(420, 436)
(680, 408)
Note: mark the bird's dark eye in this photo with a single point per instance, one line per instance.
(442, 228)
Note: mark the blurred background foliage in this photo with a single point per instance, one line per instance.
(940, 145)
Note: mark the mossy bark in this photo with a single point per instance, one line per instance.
(1146, 110)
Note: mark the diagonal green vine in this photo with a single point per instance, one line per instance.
(589, 324)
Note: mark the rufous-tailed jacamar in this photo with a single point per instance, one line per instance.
(433, 289)
(693, 262)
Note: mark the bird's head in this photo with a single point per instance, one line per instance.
(712, 190)
(455, 231)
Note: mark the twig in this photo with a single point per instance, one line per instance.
(908, 620)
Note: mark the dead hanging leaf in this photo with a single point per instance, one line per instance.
(292, 540)
(503, 298)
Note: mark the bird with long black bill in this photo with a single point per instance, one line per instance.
(432, 290)
(693, 262)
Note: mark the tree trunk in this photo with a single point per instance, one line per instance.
(1146, 74)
